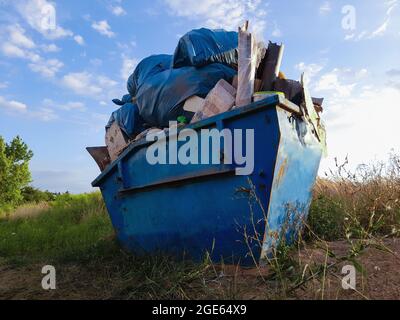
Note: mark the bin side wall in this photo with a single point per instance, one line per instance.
(221, 214)
(295, 173)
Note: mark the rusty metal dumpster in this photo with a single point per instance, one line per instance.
(189, 210)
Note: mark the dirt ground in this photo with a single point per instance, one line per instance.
(380, 279)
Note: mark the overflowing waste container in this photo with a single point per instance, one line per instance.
(212, 152)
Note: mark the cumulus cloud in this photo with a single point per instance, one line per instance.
(128, 65)
(227, 14)
(41, 16)
(68, 106)
(11, 50)
(50, 48)
(44, 113)
(79, 40)
(47, 68)
(19, 45)
(339, 83)
(103, 28)
(87, 84)
(18, 37)
(12, 105)
(117, 11)
(311, 70)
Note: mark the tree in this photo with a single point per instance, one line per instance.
(14, 170)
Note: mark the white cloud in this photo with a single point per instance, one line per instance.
(87, 84)
(363, 125)
(128, 65)
(44, 114)
(79, 40)
(12, 105)
(117, 11)
(11, 50)
(311, 70)
(50, 48)
(47, 68)
(36, 14)
(381, 30)
(103, 28)
(20, 46)
(339, 83)
(4, 85)
(277, 33)
(17, 36)
(73, 106)
(229, 14)
(393, 72)
(68, 106)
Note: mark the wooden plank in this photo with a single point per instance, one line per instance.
(271, 65)
(116, 141)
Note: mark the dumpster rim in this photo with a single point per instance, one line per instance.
(275, 100)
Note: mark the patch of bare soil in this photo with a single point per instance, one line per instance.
(380, 279)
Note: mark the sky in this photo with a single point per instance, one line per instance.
(62, 62)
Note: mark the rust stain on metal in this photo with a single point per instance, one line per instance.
(282, 171)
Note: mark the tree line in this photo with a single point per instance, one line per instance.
(15, 176)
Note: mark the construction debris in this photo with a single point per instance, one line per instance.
(116, 141)
(211, 72)
(220, 99)
(194, 104)
(270, 66)
(246, 66)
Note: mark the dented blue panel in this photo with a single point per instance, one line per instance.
(193, 209)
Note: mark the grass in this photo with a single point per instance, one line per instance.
(66, 229)
(74, 233)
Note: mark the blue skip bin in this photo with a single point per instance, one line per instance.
(188, 210)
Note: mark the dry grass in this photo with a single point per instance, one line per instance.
(29, 210)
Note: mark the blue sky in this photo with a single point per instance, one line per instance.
(56, 84)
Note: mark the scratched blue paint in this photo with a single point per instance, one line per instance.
(188, 210)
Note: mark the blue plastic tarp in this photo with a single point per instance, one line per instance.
(146, 68)
(161, 97)
(127, 117)
(204, 46)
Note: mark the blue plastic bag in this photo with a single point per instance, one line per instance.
(161, 97)
(204, 46)
(146, 68)
(127, 117)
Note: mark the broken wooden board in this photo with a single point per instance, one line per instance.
(270, 66)
(220, 99)
(292, 89)
(116, 141)
(194, 104)
(100, 155)
(246, 67)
